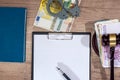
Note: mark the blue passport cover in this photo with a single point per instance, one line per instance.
(12, 34)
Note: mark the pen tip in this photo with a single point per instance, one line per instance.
(58, 68)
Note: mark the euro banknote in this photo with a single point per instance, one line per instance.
(46, 21)
(104, 27)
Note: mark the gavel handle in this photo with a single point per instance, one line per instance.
(112, 50)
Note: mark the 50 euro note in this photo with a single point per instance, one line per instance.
(46, 21)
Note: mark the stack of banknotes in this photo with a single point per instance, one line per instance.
(46, 21)
(107, 27)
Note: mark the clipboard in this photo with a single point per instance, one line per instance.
(56, 54)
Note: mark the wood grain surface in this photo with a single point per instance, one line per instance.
(91, 11)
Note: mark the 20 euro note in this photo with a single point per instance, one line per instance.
(46, 21)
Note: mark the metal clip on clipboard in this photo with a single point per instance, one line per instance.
(60, 36)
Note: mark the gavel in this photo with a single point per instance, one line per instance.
(111, 40)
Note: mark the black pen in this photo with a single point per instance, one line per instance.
(67, 78)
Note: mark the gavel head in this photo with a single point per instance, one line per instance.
(105, 40)
(110, 40)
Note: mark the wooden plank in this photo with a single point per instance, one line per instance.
(111, 4)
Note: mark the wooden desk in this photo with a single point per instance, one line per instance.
(91, 10)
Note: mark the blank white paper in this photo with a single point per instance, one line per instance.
(72, 56)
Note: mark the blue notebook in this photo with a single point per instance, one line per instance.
(12, 34)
